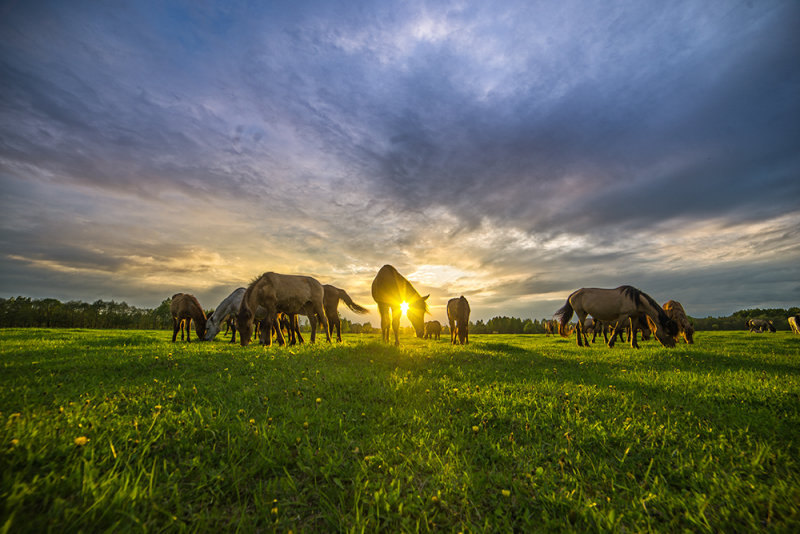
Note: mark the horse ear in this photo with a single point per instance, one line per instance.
(425, 297)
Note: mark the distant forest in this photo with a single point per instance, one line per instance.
(52, 313)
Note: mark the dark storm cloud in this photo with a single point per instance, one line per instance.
(555, 139)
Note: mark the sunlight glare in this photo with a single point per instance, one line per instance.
(404, 307)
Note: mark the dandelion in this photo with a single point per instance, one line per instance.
(252, 421)
(157, 407)
(506, 493)
(81, 441)
(305, 425)
(434, 499)
(319, 400)
(14, 442)
(475, 428)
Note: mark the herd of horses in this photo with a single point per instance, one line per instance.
(270, 305)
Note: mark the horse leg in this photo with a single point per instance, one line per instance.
(383, 309)
(188, 330)
(312, 320)
(452, 332)
(396, 313)
(338, 324)
(634, 331)
(174, 329)
(614, 333)
(579, 330)
(296, 326)
(278, 331)
(233, 337)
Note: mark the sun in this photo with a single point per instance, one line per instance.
(404, 307)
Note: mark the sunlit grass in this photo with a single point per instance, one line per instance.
(120, 430)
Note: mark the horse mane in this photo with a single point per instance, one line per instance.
(244, 308)
(635, 294)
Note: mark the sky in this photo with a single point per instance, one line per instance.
(511, 152)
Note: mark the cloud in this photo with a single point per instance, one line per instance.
(511, 151)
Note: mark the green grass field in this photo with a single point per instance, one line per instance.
(125, 431)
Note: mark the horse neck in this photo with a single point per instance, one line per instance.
(408, 291)
(198, 316)
(249, 298)
(646, 307)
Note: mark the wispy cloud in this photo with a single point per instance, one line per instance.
(510, 151)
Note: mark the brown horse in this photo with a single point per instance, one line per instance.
(284, 293)
(390, 290)
(675, 311)
(331, 302)
(433, 330)
(618, 306)
(458, 315)
(185, 307)
(550, 327)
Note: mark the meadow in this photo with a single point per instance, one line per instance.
(111, 430)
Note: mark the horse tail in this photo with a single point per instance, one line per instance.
(344, 297)
(563, 315)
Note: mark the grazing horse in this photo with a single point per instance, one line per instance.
(185, 307)
(458, 315)
(794, 323)
(618, 306)
(229, 307)
(331, 302)
(550, 327)
(433, 329)
(390, 290)
(675, 311)
(280, 293)
(759, 326)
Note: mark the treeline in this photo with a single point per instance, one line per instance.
(737, 321)
(52, 313)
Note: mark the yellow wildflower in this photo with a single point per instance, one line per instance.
(81, 441)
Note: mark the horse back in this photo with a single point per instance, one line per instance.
(602, 304)
(458, 309)
(390, 287)
(293, 292)
(184, 304)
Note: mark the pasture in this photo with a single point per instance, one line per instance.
(125, 431)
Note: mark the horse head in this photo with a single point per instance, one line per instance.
(665, 329)
(244, 323)
(417, 309)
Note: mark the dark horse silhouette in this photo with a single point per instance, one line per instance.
(433, 329)
(458, 315)
(390, 290)
(185, 307)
